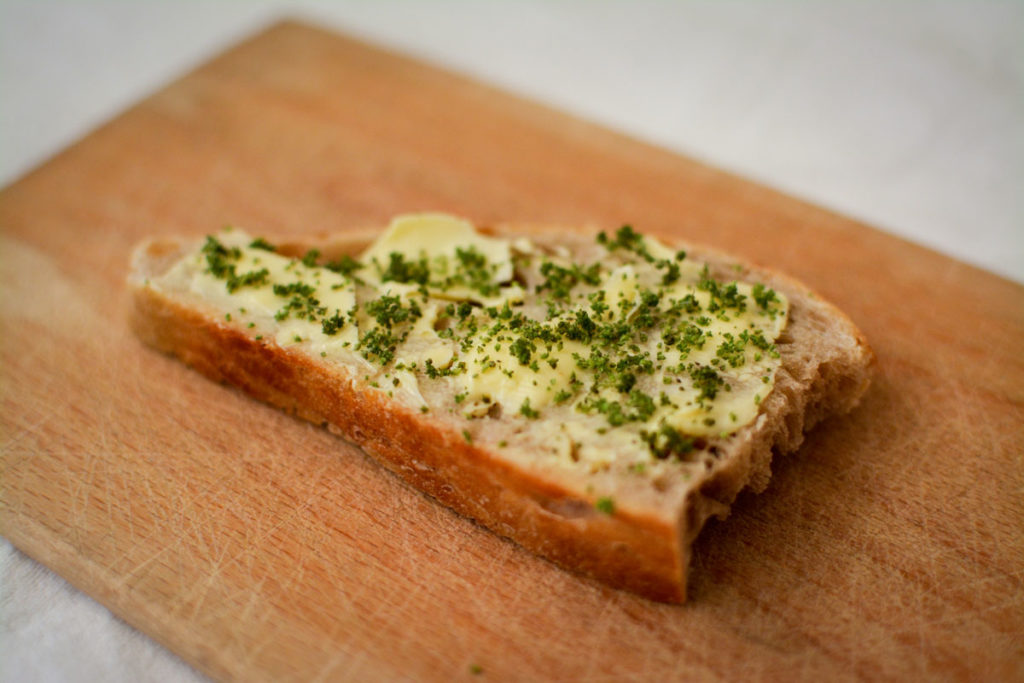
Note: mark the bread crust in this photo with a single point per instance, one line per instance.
(637, 551)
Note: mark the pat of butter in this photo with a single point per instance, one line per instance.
(334, 293)
(494, 375)
(438, 239)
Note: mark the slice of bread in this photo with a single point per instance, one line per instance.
(615, 513)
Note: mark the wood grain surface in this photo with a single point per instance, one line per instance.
(262, 548)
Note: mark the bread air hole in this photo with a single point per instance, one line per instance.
(569, 508)
(519, 278)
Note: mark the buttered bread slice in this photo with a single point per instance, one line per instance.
(593, 397)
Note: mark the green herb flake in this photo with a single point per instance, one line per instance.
(667, 441)
(260, 243)
(345, 266)
(401, 270)
(528, 412)
(309, 259)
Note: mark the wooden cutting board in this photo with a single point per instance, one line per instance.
(262, 548)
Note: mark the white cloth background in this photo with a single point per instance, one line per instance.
(909, 116)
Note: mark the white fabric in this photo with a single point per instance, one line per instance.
(906, 115)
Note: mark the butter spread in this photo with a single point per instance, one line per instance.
(636, 349)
